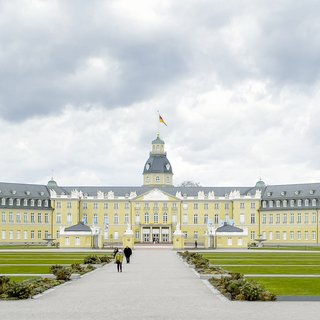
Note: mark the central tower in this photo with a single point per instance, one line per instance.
(157, 170)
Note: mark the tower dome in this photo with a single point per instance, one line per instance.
(157, 169)
(260, 184)
(52, 183)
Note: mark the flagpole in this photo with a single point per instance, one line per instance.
(158, 133)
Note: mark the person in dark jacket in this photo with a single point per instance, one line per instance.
(127, 252)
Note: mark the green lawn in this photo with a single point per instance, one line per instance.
(304, 248)
(24, 269)
(260, 262)
(291, 286)
(20, 279)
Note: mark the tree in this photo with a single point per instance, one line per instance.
(189, 183)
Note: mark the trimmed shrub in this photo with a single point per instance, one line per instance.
(93, 259)
(4, 283)
(77, 268)
(105, 259)
(21, 290)
(55, 268)
(63, 274)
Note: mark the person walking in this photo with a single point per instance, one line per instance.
(196, 244)
(127, 252)
(119, 259)
(115, 251)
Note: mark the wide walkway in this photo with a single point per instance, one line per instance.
(156, 285)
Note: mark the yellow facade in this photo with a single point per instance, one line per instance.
(150, 213)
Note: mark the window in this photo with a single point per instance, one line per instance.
(157, 179)
(291, 235)
(291, 218)
(11, 234)
(195, 235)
(306, 235)
(137, 235)
(18, 235)
(174, 205)
(292, 203)
(264, 218)
(126, 205)
(3, 201)
(277, 218)
(116, 206)
(3, 234)
(25, 202)
(270, 235)
(69, 218)
(278, 203)
(185, 219)
(18, 202)
(216, 206)
(314, 235)
(206, 206)
(195, 219)
(10, 217)
(85, 218)
(299, 203)
(195, 206)
(314, 217)
(106, 219)
(39, 217)
(264, 204)
(39, 203)
(241, 205)
(299, 218)
(270, 218)
(25, 217)
(85, 205)
(174, 218)
(284, 220)
(284, 235)
(253, 218)
(299, 235)
(126, 218)
(67, 241)
(18, 218)
(165, 217)
(165, 205)
(227, 217)
(25, 234)
(39, 234)
(58, 204)
(46, 218)
(32, 234)
(306, 218)
(285, 203)
(77, 242)
(277, 235)
(205, 219)
(253, 205)
(10, 202)
(216, 219)
(116, 219)
(146, 217)
(314, 202)
(270, 203)
(229, 241)
(95, 218)
(69, 205)
(252, 235)
(105, 205)
(226, 206)
(137, 218)
(3, 217)
(146, 205)
(46, 203)
(306, 202)
(58, 218)
(156, 217)
(95, 205)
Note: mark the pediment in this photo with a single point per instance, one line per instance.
(156, 195)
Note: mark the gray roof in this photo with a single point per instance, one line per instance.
(78, 227)
(297, 191)
(23, 190)
(228, 228)
(157, 163)
(158, 140)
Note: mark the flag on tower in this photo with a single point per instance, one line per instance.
(161, 120)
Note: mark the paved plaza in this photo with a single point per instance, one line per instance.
(155, 285)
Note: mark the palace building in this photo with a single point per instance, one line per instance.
(159, 212)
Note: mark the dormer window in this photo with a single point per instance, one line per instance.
(32, 203)
(285, 203)
(297, 192)
(292, 203)
(278, 203)
(39, 203)
(10, 202)
(283, 193)
(264, 204)
(46, 203)
(41, 193)
(25, 202)
(18, 202)
(314, 202)
(299, 203)
(269, 194)
(306, 202)
(13, 191)
(311, 191)
(27, 193)
(3, 201)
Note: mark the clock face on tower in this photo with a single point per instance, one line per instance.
(147, 166)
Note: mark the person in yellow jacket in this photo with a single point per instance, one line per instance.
(119, 259)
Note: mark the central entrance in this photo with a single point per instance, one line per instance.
(156, 234)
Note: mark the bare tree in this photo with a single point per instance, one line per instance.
(189, 183)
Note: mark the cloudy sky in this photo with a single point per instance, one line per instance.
(236, 81)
